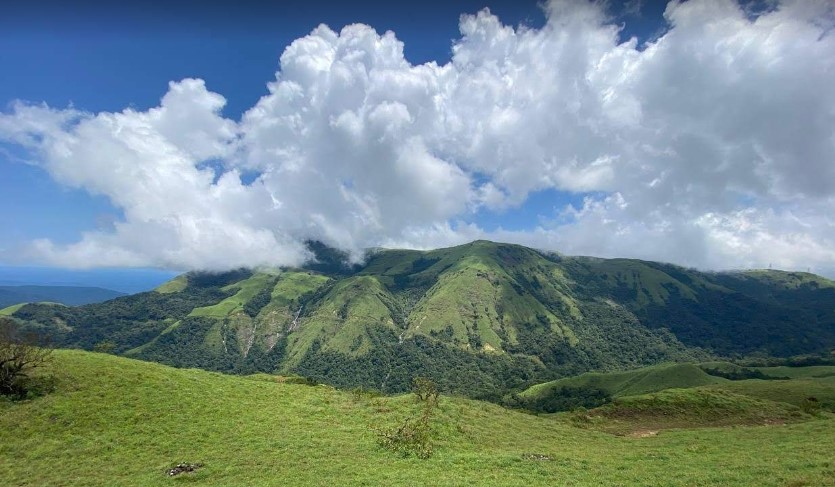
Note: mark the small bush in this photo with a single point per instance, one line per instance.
(105, 346)
(20, 356)
(413, 436)
(425, 389)
(811, 405)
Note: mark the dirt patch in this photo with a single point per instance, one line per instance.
(183, 468)
(642, 433)
(774, 422)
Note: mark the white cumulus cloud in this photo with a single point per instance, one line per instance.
(712, 145)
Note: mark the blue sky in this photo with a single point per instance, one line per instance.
(104, 57)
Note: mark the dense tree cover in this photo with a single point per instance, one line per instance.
(730, 314)
(257, 303)
(390, 367)
(564, 398)
(741, 373)
(187, 346)
(217, 279)
(127, 322)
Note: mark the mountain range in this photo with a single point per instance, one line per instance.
(480, 319)
(68, 295)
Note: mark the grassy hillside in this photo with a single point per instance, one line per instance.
(794, 392)
(687, 408)
(10, 310)
(787, 386)
(115, 421)
(631, 382)
(244, 291)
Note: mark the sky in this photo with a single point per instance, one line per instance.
(199, 135)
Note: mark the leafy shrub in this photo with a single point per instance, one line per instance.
(20, 355)
(811, 405)
(425, 389)
(413, 435)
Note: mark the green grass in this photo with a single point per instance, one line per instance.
(114, 421)
(798, 372)
(340, 322)
(651, 285)
(631, 382)
(683, 408)
(246, 290)
(292, 285)
(787, 279)
(175, 285)
(8, 311)
(787, 391)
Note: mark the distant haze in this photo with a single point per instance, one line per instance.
(122, 280)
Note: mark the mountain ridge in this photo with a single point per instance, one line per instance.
(480, 318)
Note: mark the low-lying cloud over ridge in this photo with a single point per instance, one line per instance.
(712, 146)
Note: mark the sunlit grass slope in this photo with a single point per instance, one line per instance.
(632, 382)
(795, 391)
(114, 421)
(245, 290)
(9, 310)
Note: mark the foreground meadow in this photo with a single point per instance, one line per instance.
(115, 421)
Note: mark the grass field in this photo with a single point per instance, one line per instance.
(632, 382)
(787, 391)
(114, 421)
(814, 371)
(175, 285)
(8, 311)
(246, 290)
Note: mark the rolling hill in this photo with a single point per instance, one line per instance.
(115, 421)
(480, 319)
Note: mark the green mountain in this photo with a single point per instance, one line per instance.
(480, 319)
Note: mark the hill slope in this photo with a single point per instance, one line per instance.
(115, 421)
(480, 319)
(632, 382)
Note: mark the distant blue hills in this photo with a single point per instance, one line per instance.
(128, 281)
(69, 295)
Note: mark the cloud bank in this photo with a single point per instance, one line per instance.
(711, 146)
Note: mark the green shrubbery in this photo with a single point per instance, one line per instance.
(565, 398)
(413, 435)
(20, 356)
